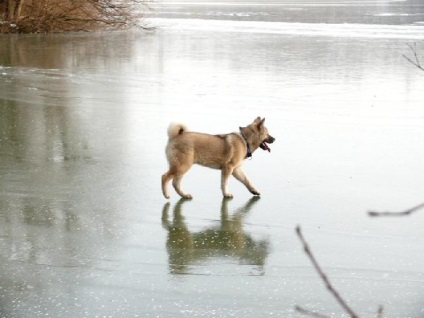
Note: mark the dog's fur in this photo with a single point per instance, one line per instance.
(225, 152)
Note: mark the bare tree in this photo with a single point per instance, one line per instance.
(330, 287)
(415, 59)
(27, 16)
(401, 213)
(325, 279)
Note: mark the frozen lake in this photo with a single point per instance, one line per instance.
(84, 228)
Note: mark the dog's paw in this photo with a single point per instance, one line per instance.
(187, 196)
(228, 195)
(255, 192)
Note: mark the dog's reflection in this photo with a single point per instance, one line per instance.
(228, 239)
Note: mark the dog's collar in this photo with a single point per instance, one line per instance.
(249, 152)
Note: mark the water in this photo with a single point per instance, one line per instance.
(385, 12)
(85, 231)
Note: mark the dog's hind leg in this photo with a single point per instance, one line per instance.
(176, 172)
(168, 176)
(176, 182)
(240, 176)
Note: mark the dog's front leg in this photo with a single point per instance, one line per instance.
(240, 176)
(226, 172)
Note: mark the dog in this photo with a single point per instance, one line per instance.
(225, 152)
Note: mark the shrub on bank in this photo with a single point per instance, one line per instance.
(42, 16)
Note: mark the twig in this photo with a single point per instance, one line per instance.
(309, 313)
(380, 312)
(324, 277)
(416, 61)
(402, 213)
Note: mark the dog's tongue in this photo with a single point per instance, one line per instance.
(265, 146)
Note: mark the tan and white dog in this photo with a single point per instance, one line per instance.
(225, 152)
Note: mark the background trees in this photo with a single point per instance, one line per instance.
(25, 16)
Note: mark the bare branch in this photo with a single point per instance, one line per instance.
(28, 16)
(380, 312)
(324, 277)
(309, 313)
(402, 213)
(415, 61)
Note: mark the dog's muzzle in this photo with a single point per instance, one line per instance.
(264, 144)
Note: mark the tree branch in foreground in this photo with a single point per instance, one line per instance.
(402, 213)
(309, 313)
(380, 312)
(324, 278)
(415, 61)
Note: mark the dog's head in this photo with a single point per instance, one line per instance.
(257, 135)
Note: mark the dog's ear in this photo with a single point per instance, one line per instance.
(261, 123)
(257, 120)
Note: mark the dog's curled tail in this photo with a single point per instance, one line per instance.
(176, 129)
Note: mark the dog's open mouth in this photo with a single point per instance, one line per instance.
(264, 146)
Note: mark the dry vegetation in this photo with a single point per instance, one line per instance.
(324, 277)
(41, 16)
(415, 60)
